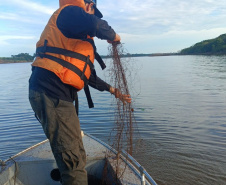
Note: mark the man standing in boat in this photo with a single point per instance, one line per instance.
(64, 65)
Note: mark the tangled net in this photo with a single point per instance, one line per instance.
(123, 130)
(123, 111)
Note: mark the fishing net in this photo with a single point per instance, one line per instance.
(122, 135)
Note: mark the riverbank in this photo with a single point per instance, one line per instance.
(7, 60)
(20, 58)
(13, 61)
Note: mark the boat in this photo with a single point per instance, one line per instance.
(37, 166)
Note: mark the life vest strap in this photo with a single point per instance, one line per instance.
(68, 66)
(88, 96)
(40, 51)
(76, 102)
(97, 56)
(100, 60)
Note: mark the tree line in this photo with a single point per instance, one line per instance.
(22, 57)
(206, 47)
(211, 46)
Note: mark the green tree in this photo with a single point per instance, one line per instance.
(212, 46)
(22, 56)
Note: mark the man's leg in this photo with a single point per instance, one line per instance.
(61, 126)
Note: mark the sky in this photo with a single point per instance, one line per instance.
(148, 26)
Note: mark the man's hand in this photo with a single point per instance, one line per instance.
(125, 98)
(117, 39)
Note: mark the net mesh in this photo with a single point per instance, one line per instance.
(122, 135)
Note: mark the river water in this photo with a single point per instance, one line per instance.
(180, 108)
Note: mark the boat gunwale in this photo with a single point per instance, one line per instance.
(124, 155)
(27, 149)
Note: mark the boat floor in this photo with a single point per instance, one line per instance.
(33, 165)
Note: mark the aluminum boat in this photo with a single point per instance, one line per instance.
(36, 166)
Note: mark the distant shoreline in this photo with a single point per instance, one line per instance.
(8, 60)
(167, 54)
(13, 62)
(211, 47)
(143, 55)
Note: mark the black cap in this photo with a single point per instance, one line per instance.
(97, 12)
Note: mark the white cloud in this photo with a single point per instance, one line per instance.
(152, 16)
(5, 38)
(30, 6)
(9, 16)
(19, 18)
(22, 12)
(145, 26)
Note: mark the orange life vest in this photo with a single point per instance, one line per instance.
(70, 59)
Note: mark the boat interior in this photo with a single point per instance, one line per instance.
(36, 165)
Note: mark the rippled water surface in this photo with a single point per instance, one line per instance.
(180, 110)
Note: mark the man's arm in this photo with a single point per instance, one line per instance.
(74, 22)
(99, 84)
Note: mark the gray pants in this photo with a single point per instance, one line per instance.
(61, 126)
